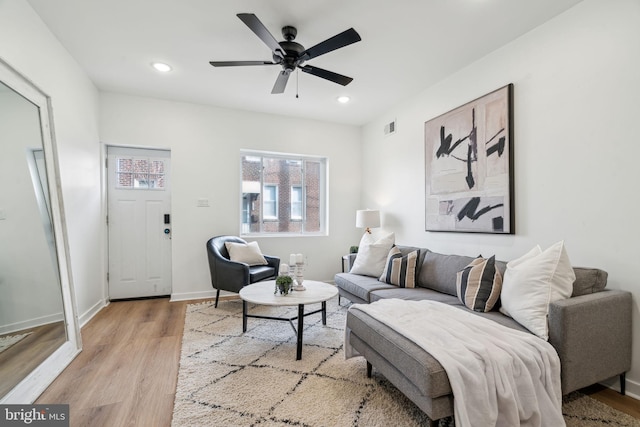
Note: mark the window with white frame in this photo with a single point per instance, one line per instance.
(270, 202)
(140, 173)
(283, 194)
(296, 202)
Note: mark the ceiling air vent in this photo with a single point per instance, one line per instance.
(390, 128)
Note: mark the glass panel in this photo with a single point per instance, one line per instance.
(296, 203)
(270, 202)
(125, 165)
(313, 200)
(140, 174)
(31, 306)
(140, 180)
(251, 191)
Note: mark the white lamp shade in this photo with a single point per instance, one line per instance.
(367, 219)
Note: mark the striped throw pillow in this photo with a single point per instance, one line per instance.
(479, 284)
(400, 270)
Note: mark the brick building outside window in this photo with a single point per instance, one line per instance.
(283, 194)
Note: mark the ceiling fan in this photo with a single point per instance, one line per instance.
(291, 55)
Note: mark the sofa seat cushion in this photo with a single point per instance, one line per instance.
(415, 294)
(498, 317)
(360, 286)
(417, 365)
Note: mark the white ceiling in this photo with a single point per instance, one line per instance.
(407, 46)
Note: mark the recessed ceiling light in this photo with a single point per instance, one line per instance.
(343, 99)
(162, 67)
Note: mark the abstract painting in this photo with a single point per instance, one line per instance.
(469, 166)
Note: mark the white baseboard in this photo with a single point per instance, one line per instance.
(84, 318)
(183, 296)
(31, 323)
(632, 388)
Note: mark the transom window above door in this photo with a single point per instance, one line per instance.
(140, 173)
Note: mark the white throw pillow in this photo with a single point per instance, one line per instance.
(248, 253)
(372, 254)
(533, 281)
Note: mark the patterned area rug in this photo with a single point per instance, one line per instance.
(228, 378)
(9, 340)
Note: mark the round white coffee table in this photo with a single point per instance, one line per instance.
(262, 293)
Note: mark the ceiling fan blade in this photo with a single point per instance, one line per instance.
(261, 31)
(239, 63)
(325, 74)
(343, 39)
(281, 82)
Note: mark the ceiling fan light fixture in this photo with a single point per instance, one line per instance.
(343, 99)
(161, 66)
(292, 56)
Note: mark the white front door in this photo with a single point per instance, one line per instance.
(139, 221)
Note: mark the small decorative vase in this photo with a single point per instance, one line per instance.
(283, 285)
(284, 289)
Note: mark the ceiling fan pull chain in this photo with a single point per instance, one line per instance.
(297, 79)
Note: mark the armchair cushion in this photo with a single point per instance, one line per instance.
(258, 273)
(249, 253)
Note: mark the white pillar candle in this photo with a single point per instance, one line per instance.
(299, 259)
(284, 269)
(292, 259)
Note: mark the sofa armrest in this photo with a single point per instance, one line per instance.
(273, 262)
(592, 335)
(350, 258)
(232, 275)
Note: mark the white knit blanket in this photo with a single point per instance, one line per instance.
(499, 376)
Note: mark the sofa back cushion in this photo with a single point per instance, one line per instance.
(588, 281)
(438, 271)
(501, 266)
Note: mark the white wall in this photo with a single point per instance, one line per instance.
(28, 46)
(205, 145)
(576, 146)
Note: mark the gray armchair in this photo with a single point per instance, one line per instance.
(232, 276)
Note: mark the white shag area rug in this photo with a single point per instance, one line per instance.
(9, 340)
(228, 378)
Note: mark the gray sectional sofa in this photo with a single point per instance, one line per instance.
(591, 331)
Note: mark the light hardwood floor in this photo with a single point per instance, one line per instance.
(126, 374)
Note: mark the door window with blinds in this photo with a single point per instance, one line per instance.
(283, 194)
(140, 173)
